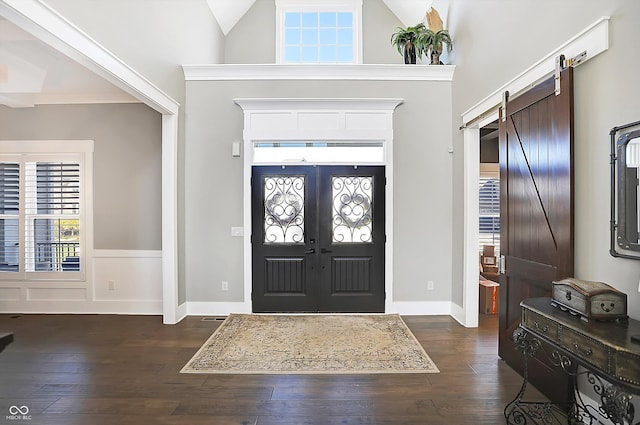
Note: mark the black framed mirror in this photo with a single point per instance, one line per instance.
(625, 191)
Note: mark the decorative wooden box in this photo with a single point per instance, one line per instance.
(591, 300)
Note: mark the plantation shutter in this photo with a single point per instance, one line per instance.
(9, 216)
(52, 222)
(490, 211)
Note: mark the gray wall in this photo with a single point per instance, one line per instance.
(422, 168)
(154, 37)
(495, 41)
(127, 164)
(379, 23)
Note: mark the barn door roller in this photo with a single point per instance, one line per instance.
(505, 99)
(562, 63)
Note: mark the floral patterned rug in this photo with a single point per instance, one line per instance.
(306, 344)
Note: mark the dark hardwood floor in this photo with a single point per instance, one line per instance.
(103, 369)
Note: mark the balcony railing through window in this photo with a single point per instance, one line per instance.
(57, 256)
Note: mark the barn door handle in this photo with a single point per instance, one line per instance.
(325, 251)
(310, 251)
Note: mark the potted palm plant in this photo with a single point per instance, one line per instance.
(407, 41)
(432, 42)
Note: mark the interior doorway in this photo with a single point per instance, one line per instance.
(318, 238)
(489, 219)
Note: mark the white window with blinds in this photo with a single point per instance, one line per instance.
(42, 217)
(489, 206)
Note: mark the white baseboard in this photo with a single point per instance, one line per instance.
(417, 308)
(140, 307)
(458, 313)
(181, 313)
(408, 308)
(195, 308)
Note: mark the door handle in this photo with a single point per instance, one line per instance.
(310, 251)
(325, 251)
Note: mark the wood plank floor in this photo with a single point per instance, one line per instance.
(103, 369)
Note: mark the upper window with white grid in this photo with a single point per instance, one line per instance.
(318, 32)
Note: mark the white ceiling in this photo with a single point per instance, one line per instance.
(33, 73)
(410, 12)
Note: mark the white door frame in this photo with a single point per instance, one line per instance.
(322, 120)
(593, 40)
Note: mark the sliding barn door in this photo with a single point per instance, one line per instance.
(536, 174)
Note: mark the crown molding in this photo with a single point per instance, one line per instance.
(342, 104)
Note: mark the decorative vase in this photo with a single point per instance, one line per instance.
(409, 54)
(435, 58)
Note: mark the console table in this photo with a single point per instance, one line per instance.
(598, 353)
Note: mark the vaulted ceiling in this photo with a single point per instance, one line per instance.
(32, 72)
(229, 12)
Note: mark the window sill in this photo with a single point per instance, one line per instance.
(364, 72)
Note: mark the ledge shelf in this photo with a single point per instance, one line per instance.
(364, 72)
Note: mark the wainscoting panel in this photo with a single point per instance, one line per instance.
(127, 275)
(57, 294)
(9, 294)
(118, 282)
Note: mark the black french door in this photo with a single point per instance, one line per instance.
(318, 238)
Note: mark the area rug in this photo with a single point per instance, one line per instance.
(311, 344)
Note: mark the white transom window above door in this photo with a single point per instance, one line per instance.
(318, 152)
(318, 131)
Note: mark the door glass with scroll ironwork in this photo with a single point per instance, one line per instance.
(318, 239)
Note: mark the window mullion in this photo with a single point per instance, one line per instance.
(22, 226)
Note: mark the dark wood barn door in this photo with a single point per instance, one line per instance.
(318, 239)
(536, 174)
